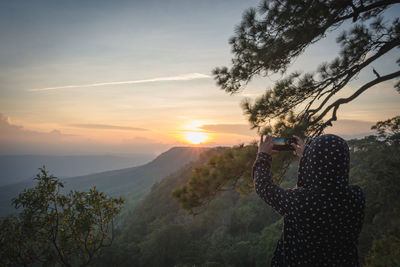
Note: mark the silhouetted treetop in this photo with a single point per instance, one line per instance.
(272, 36)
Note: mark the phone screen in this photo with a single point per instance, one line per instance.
(279, 141)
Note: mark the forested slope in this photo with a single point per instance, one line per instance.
(235, 230)
(231, 230)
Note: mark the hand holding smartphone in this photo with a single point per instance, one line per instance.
(284, 144)
(271, 144)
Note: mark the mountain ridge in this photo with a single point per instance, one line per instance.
(18, 168)
(131, 183)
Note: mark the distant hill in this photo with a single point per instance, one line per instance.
(18, 168)
(225, 232)
(132, 183)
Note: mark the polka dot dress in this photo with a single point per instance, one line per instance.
(323, 215)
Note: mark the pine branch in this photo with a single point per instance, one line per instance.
(362, 9)
(335, 105)
(350, 74)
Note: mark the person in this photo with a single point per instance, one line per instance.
(323, 215)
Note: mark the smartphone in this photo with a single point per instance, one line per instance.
(284, 144)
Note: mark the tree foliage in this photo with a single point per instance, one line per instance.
(385, 252)
(53, 228)
(375, 166)
(160, 233)
(388, 129)
(272, 36)
(230, 169)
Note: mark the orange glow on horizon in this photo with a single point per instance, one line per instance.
(193, 134)
(195, 137)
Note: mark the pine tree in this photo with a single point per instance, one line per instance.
(272, 36)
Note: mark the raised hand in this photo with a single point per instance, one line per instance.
(266, 144)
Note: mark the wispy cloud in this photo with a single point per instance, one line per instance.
(183, 77)
(107, 127)
(11, 133)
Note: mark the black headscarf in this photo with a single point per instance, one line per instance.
(325, 163)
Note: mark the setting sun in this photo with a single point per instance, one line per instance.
(195, 137)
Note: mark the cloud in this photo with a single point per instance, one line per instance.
(107, 127)
(183, 77)
(10, 131)
(16, 140)
(6, 126)
(240, 129)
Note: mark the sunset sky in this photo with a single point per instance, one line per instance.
(90, 77)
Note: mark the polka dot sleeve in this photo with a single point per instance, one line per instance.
(282, 200)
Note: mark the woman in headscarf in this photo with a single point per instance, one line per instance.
(323, 215)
